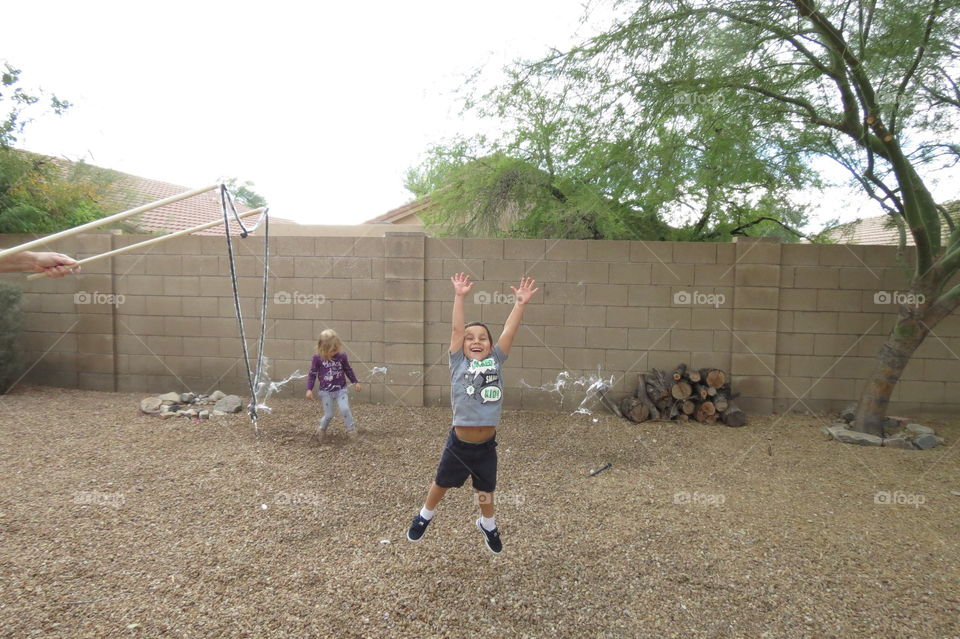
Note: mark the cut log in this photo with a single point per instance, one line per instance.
(702, 390)
(681, 390)
(705, 411)
(683, 417)
(711, 419)
(652, 409)
(687, 407)
(680, 372)
(711, 391)
(720, 402)
(657, 379)
(634, 409)
(716, 378)
(733, 416)
(674, 411)
(694, 376)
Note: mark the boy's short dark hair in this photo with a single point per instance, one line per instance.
(489, 334)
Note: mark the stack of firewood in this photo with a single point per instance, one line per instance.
(686, 394)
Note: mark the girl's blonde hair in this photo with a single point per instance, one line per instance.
(329, 344)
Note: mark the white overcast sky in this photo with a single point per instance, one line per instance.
(324, 106)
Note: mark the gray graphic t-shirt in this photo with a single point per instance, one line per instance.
(476, 388)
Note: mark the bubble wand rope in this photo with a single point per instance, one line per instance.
(253, 380)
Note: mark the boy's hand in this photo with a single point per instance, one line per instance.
(309, 394)
(525, 293)
(356, 387)
(461, 284)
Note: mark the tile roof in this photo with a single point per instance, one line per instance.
(881, 229)
(179, 215)
(130, 191)
(394, 216)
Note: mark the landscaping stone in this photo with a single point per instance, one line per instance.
(151, 405)
(229, 404)
(848, 436)
(918, 430)
(898, 441)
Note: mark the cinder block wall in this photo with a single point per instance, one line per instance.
(797, 326)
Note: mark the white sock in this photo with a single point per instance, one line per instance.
(488, 523)
(427, 514)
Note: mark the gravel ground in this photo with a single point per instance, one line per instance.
(118, 524)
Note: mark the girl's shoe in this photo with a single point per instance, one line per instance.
(491, 538)
(322, 434)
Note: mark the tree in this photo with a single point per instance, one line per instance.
(19, 103)
(602, 162)
(244, 193)
(39, 194)
(695, 103)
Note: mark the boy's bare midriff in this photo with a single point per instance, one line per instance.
(475, 434)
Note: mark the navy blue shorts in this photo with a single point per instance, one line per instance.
(462, 459)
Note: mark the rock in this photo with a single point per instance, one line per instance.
(955, 493)
(187, 398)
(229, 404)
(217, 413)
(217, 395)
(849, 413)
(170, 398)
(167, 414)
(847, 436)
(191, 412)
(828, 430)
(151, 405)
(898, 441)
(204, 414)
(892, 426)
(919, 430)
(925, 442)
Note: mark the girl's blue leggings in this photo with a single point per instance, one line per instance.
(340, 397)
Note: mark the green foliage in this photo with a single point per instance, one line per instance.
(43, 195)
(19, 103)
(244, 193)
(706, 116)
(10, 334)
(39, 194)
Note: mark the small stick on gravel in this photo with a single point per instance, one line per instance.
(600, 470)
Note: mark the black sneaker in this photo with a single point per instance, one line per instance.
(491, 538)
(417, 528)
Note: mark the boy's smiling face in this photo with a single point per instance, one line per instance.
(476, 343)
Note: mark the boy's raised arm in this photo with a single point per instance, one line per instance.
(461, 286)
(523, 295)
